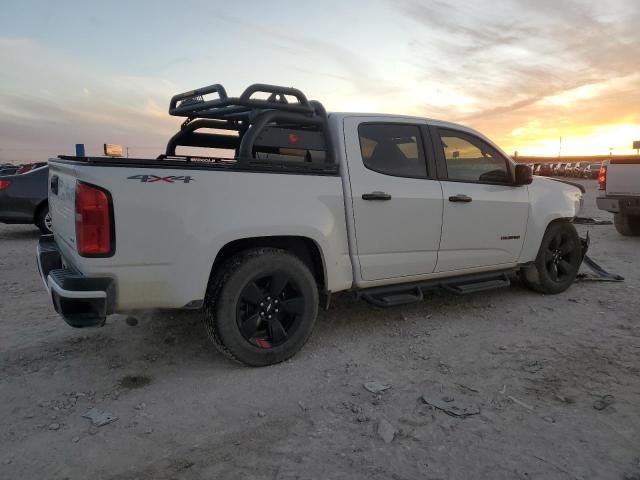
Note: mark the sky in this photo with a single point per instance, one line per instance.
(523, 72)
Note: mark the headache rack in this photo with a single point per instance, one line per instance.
(267, 126)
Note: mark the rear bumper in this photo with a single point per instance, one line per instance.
(81, 301)
(619, 204)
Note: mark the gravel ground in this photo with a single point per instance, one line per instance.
(537, 387)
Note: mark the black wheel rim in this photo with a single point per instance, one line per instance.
(561, 257)
(269, 309)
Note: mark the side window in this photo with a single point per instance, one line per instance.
(393, 149)
(470, 159)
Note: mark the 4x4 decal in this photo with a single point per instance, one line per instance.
(158, 178)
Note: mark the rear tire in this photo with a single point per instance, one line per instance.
(628, 225)
(261, 306)
(43, 220)
(558, 260)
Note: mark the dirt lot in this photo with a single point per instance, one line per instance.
(528, 370)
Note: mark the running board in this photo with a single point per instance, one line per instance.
(472, 287)
(393, 295)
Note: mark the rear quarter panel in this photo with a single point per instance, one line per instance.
(168, 234)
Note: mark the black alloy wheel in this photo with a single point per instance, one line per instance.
(269, 309)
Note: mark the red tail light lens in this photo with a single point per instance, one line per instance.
(94, 221)
(602, 178)
(4, 184)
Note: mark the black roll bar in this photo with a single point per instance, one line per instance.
(246, 115)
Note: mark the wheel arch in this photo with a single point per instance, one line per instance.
(305, 248)
(535, 234)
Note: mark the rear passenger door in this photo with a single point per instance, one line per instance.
(396, 201)
(485, 215)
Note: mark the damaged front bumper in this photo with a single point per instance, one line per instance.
(81, 301)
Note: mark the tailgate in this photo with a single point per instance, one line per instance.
(623, 179)
(62, 197)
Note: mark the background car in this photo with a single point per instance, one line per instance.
(23, 198)
(8, 169)
(545, 170)
(562, 169)
(575, 170)
(591, 170)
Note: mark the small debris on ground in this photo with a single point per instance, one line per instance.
(376, 387)
(604, 402)
(98, 418)
(454, 408)
(520, 402)
(132, 321)
(54, 426)
(134, 381)
(75, 439)
(591, 221)
(386, 431)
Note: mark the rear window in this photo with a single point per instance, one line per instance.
(393, 149)
(286, 144)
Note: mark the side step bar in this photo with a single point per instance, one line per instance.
(393, 295)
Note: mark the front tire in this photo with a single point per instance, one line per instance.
(628, 225)
(558, 260)
(261, 306)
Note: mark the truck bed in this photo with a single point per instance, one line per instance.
(172, 216)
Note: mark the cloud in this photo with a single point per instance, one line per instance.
(559, 63)
(75, 102)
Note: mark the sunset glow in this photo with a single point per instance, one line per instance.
(524, 73)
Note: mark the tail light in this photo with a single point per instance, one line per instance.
(95, 235)
(602, 177)
(4, 184)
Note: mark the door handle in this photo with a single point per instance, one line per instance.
(376, 196)
(460, 198)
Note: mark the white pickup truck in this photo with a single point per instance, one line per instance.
(619, 184)
(293, 205)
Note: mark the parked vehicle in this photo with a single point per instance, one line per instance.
(619, 186)
(311, 204)
(591, 171)
(577, 169)
(8, 169)
(27, 167)
(545, 170)
(562, 169)
(23, 199)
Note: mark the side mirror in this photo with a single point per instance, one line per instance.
(523, 174)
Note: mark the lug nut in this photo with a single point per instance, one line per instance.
(269, 316)
(276, 310)
(262, 304)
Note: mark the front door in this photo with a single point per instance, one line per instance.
(397, 205)
(485, 216)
